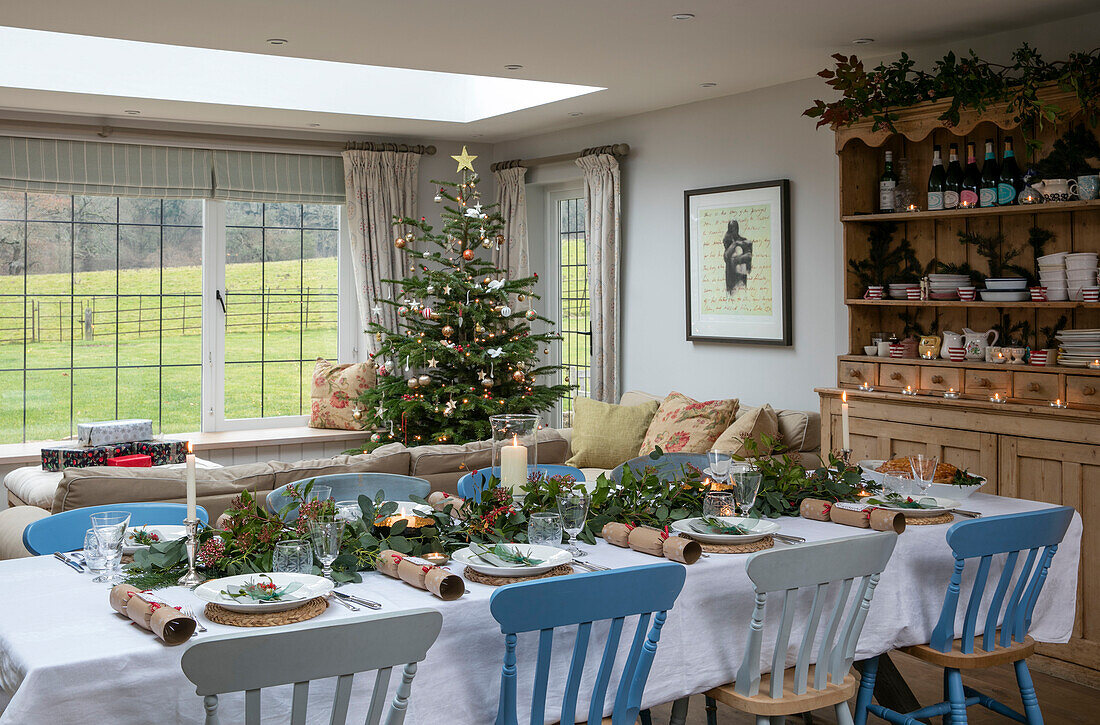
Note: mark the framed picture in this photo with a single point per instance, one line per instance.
(738, 263)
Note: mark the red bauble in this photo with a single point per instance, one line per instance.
(468, 255)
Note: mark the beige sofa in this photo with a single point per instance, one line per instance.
(441, 465)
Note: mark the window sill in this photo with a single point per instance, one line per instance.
(12, 454)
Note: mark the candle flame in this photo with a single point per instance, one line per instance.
(189, 448)
(515, 439)
(844, 397)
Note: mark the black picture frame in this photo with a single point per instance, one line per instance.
(698, 330)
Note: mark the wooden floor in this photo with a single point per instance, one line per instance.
(1062, 702)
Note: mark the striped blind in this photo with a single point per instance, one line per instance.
(258, 176)
(83, 167)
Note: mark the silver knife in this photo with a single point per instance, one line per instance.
(68, 562)
(789, 539)
(971, 514)
(358, 600)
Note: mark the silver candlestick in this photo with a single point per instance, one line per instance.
(192, 578)
(846, 457)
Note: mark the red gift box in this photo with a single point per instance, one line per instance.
(135, 460)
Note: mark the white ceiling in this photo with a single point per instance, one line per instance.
(645, 59)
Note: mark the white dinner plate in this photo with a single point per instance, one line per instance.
(760, 528)
(166, 532)
(551, 556)
(943, 506)
(312, 586)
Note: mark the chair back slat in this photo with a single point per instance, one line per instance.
(378, 695)
(970, 623)
(341, 699)
(825, 651)
(603, 674)
(544, 605)
(472, 484)
(983, 539)
(844, 650)
(350, 486)
(576, 669)
(542, 674)
(805, 650)
(322, 648)
(782, 640)
(65, 531)
(299, 703)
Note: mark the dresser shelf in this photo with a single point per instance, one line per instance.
(973, 212)
(1026, 304)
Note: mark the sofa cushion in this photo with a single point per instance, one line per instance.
(333, 393)
(754, 423)
(12, 522)
(685, 425)
(605, 435)
(285, 473)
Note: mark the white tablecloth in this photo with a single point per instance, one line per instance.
(65, 657)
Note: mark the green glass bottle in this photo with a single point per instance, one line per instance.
(887, 183)
(937, 180)
(972, 178)
(953, 183)
(1010, 182)
(987, 191)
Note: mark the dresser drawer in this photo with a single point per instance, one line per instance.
(987, 382)
(1036, 386)
(1083, 389)
(899, 376)
(855, 374)
(940, 379)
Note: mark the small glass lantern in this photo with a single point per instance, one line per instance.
(517, 432)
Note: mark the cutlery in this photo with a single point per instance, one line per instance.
(590, 566)
(342, 603)
(189, 612)
(369, 604)
(970, 514)
(786, 538)
(68, 562)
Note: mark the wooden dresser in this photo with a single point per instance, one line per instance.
(1025, 447)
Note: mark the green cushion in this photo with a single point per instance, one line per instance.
(605, 435)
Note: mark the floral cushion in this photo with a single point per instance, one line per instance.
(334, 392)
(684, 425)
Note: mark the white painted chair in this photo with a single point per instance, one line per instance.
(314, 650)
(832, 568)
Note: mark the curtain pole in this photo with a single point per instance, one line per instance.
(617, 150)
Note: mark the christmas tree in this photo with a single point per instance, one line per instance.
(461, 351)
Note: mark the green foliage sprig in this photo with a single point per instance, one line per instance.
(999, 255)
(885, 261)
(1070, 154)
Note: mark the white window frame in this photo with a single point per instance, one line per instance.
(349, 342)
(555, 194)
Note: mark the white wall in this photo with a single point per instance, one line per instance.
(754, 136)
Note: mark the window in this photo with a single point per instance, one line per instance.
(102, 311)
(567, 235)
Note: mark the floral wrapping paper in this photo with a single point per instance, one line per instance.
(163, 452)
(334, 393)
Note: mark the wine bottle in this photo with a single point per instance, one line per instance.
(972, 178)
(1011, 182)
(936, 181)
(952, 186)
(987, 192)
(886, 185)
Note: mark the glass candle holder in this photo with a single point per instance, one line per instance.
(518, 433)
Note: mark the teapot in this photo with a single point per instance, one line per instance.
(1056, 189)
(977, 342)
(950, 339)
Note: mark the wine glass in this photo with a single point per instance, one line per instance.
(110, 530)
(325, 535)
(544, 528)
(348, 510)
(320, 493)
(719, 503)
(93, 555)
(720, 464)
(293, 556)
(573, 507)
(924, 470)
(746, 484)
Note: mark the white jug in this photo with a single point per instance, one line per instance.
(950, 339)
(976, 342)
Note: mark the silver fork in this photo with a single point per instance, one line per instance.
(187, 611)
(590, 566)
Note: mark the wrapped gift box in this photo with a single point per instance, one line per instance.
(107, 432)
(162, 452)
(134, 460)
(56, 458)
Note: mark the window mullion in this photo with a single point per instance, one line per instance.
(213, 320)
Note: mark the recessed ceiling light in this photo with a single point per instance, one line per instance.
(42, 60)
(708, 84)
(576, 113)
(277, 41)
(132, 112)
(863, 41)
(314, 125)
(513, 66)
(683, 16)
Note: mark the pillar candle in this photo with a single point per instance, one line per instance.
(191, 495)
(513, 465)
(846, 437)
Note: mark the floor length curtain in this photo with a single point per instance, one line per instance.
(603, 248)
(379, 185)
(513, 255)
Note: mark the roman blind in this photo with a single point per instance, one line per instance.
(273, 177)
(89, 167)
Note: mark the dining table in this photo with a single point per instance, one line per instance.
(67, 657)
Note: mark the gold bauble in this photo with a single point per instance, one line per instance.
(521, 298)
(425, 380)
(486, 244)
(500, 239)
(545, 351)
(399, 242)
(486, 281)
(447, 331)
(479, 328)
(486, 382)
(518, 376)
(413, 382)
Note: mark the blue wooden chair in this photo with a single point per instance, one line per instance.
(669, 467)
(350, 486)
(832, 569)
(472, 484)
(65, 531)
(315, 650)
(1004, 630)
(581, 599)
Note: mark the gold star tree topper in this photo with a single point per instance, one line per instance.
(465, 160)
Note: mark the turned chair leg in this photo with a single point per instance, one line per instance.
(1027, 693)
(866, 690)
(956, 696)
(843, 714)
(645, 717)
(946, 695)
(711, 710)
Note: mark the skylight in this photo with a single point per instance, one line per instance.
(48, 61)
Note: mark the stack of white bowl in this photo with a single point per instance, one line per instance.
(1080, 272)
(900, 290)
(1052, 275)
(1005, 289)
(946, 286)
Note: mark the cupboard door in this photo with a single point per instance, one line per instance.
(1066, 474)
